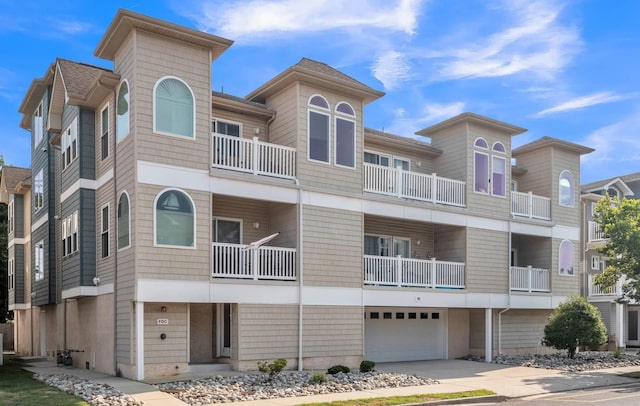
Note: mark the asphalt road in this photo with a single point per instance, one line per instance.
(619, 395)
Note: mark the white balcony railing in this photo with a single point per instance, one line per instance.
(529, 279)
(595, 290)
(398, 271)
(595, 232)
(240, 261)
(253, 156)
(530, 205)
(412, 185)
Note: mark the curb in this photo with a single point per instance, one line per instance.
(464, 401)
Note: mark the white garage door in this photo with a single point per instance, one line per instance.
(404, 334)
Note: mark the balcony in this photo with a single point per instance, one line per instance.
(530, 206)
(409, 272)
(239, 261)
(253, 156)
(530, 279)
(412, 185)
(596, 234)
(595, 290)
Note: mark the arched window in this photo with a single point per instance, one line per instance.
(318, 129)
(174, 108)
(345, 152)
(565, 258)
(481, 167)
(613, 193)
(498, 147)
(174, 219)
(565, 184)
(122, 111)
(481, 143)
(124, 221)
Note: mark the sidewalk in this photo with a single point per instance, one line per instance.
(454, 376)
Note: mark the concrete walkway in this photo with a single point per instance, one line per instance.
(454, 376)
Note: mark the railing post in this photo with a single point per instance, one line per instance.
(530, 271)
(434, 187)
(399, 182)
(254, 263)
(399, 269)
(433, 273)
(254, 157)
(530, 204)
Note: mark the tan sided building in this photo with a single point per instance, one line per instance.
(180, 226)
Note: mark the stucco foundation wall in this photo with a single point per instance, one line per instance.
(458, 333)
(23, 344)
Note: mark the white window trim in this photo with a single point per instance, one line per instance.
(491, 182)
(494, 150)
(38, 260)
(223, 120)
(124, 192)
(393, 243)
(155, 220)
(380, 154)
(485, 141)
(344, 114)
(572, 186)
(318, 110)
(11, 274)
(313, 106)
(106, 107)
(11, 216)
(123, 136)
(70, 227)
(108, 231)
(38, 129)
(595, 263)
(475, 172)
(348, 118)
(593, 209)
(38, 204)
(69, 135)
(153, 109)
(238, 220)
(389, 238)
(400, 158)
(573, 252)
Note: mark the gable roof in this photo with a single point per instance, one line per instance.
(620, 181)
(546, 141)
(317, 73)
(14, 180)
(475, 119)
(224, 101)
(81, 79)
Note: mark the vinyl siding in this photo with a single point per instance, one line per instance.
(332, 247)
(269, 332)
(87, 144)
(19, 217)
(534, 251)
(565, 285)
(174, 347)
(450, 243)
(284, 128)
(419, 163)
(454, 159)
(102, 166)
(71, 173)
(521, 330)
(104, 266)
(605, 313)
(564, 215)
(413, 231)
(486, 269)
(330, 331)
(537, 178)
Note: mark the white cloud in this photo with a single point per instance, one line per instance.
(536, 42)
(407, 124)
(435, 112)
(256, 18)
(582, 102)
(391, 68)
(67, 26)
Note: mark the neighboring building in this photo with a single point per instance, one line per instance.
(181, 226)
(15, 192)
(622, 320)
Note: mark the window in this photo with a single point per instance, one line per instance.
(38, 191)
(38, 126)
(226, 128)
(345, 153)
(399, 315)
(70, 234)
(386, 160)
(380, 246)
(374, 315)
(174, 219)
(124, 223)
(318, 136)
(565, 258)
(498, 176)
(435, 316)
(228, 150)
(595, 263)
(387, 315)
(70, 144)
(481, 143)
(424, 316)
(481, 172)
(412, 316)
(12, 274)
(174, 108)
(498, 147)
(566, 189)
(227, 231)
(38, 256)
(122, 111)
(613, 193)
(104, 231)
(10, 217)
(104, 138)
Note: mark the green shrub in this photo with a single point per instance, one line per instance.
(367, 366)
(273, 368)
(337, 369)
(618, 352)
(318, 378)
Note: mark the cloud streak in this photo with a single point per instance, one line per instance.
(391, 68)
(583, 102)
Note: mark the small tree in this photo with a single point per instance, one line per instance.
(574, 323)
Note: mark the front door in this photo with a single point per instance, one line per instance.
(633, 327)
(224, 329)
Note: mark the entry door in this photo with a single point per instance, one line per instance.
(224, 329)
(43, 333)
(633, 327)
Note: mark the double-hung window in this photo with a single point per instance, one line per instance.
(319, 123)
(481, 166)
(489, 168)
(104, 136)
(38, 126)
(12, 274)
(70, 234)
(38, 191)
(498, 170)
(38, 257)
(10, 217)
(70, 144)
(104, 230)
(345, 136)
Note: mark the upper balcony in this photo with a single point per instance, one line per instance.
(240, 261)
(530, 279)
(253, 156)
(412, 185)
(530, 206)
(595, 290)
(410, 272)
(596, 234)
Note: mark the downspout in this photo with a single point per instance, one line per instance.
(509, 292)
(115, 253)
(301, 278)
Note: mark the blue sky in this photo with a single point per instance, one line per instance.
(566, 69)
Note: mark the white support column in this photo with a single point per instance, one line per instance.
(620, 310)
(139, 340)
(488, 334)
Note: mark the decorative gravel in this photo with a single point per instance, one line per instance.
(287, 384)
(583, 361)
(95, 394)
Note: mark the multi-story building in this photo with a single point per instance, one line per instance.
(621, 319)
(183, 226)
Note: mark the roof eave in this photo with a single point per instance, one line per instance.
(475, 119)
